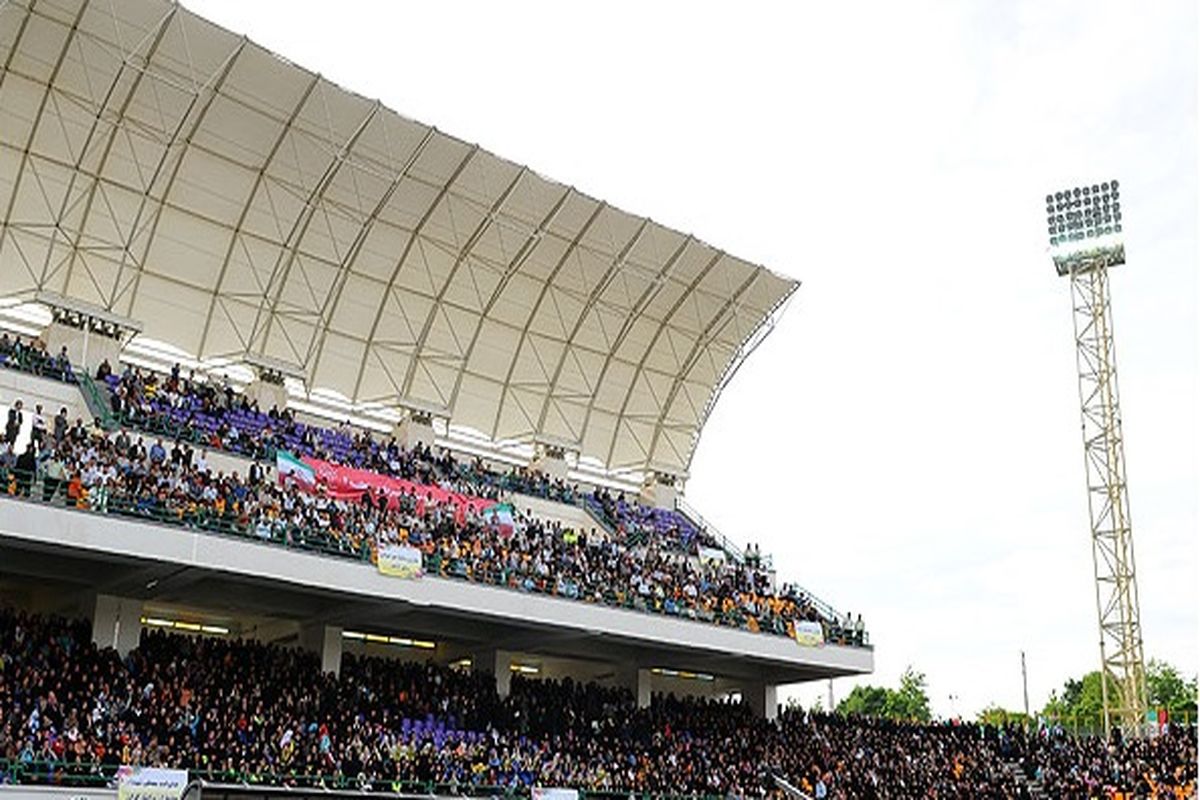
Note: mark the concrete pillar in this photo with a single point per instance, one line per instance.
(414, 429)
(497, 663)
(331, 651)
(762, 699)
(659, 490)
(86, 348)
(550, 460)
(117, 623)
(268, 394)
(326, 640)
(642, 689)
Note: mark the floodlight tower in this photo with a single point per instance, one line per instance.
(1085, 240)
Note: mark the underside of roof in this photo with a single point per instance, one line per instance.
(239, 206)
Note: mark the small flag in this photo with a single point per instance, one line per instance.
(290, 467)
(500, 517)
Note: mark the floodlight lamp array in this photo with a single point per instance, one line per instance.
(1084, 212)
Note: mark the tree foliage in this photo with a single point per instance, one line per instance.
(1168, 689)
(909, 702)
(1081, 702)
(995, 715)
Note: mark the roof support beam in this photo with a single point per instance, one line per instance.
(463, 255)
(155, 38)
(594, 296)
(514, 266)
(300, 228)
(317, 349)
(652, 291)
(760, 332)
(683, 298)
(236, 233)
(698, 348)
(412, 240)
(520, 348)
(37, 120)
(213, 88)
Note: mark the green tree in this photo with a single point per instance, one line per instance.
(995, 715)
(912, 701)
(1080, 705)
(871, 701)
(909, 702)
(1168, 689)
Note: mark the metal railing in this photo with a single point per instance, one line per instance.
(33, 362)
(827, 611)
(94, 775)
(96, 399)
(731, 549)
(194, 516)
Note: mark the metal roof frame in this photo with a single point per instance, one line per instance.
(238, 206)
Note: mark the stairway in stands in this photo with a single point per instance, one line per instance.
(1033, 786)
(96, 399)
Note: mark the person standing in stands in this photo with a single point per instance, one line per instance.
(53, 476)
(123, 442)
(60, 425)
(63, 365)
(12, 427)
(26, 466)
(38, 432)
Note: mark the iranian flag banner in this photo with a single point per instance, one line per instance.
(500, 517)
(291, 468)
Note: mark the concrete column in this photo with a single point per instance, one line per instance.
(497, 663)
(86, 348)
(326, 640)
(550, 460)
(268, 394)
(117, 623)
(659, 490)
(331, 651)
(414, 429)
(762, 699)
(642, 690)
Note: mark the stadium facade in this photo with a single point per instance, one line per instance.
(174, 193)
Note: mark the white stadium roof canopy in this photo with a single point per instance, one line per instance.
(239, 206)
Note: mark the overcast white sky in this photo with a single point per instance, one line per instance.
(907, 441)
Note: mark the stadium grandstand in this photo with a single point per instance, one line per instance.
(342, 455)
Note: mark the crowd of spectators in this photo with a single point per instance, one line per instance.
(218, 416)
(215, 415)
(1073, 767)
(649, 523)
(229, 709)
(174, 483)
(32, 355)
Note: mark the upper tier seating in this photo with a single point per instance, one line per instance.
(30, 355)
(173, 484)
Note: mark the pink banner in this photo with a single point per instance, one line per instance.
(348, 483)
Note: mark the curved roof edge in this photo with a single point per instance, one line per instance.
(240, 207)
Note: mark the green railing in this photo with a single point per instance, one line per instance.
(96, 399)
(82, 774)
(43, 488)
(35, 363)
(171, 429)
